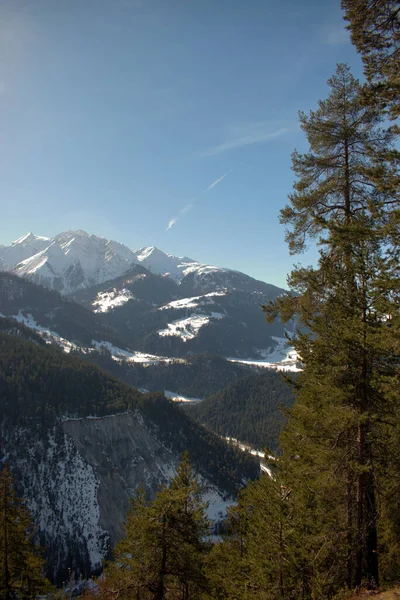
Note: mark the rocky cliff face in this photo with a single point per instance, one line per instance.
(78, 478)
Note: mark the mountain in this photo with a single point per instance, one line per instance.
(74, 260)
(154, 302)
(58, 319)
(195, 377)
(248, 409)
(79, 443)
(26, 246)
(211, 312)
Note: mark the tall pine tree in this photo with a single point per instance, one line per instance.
(345, 197)
(163, 553)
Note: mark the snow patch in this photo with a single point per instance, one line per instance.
(48, 335)
(106, 301)
(281, 357)
(188, 328)
(192, 302)
(180, 398)
(129, 355)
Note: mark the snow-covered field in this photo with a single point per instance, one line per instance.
(106, 301)
(282, 357)
(188, 328)
(192, 302)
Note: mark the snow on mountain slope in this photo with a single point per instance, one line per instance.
(188, 328)
(26, 246)
(281, 357)
(192, 302)
(75, 260)
(160, 263)
(106, 301)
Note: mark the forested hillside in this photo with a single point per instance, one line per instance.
(250, 409)
(196, 376)
(41, 384)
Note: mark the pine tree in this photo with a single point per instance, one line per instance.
(163, 553)
(375, 31)
(345, 197)
(260, 556)
(20, 566)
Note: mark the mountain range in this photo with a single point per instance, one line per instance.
(147, 300)
(79, 439)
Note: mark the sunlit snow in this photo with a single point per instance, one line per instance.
(106, 301)
(128, 355)
(282, 357)
(188, 328)
(192, 302)
(180, 398)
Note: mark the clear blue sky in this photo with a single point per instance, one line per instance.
(117, 116)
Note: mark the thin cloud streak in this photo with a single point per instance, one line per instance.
(256, 135)
(188, 207)
(174, 220)
(216, 182)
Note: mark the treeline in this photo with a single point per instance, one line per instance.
(41, 384)
(195, 376)
(251, 409)
(53, 311)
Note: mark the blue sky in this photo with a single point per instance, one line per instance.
(162, 122)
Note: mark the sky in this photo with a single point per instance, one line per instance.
(168, 123)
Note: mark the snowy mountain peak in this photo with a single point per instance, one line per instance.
(29, 238)
(74, 260)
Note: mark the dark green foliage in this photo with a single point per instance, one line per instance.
(21, 568)
(249, 409)
(40, 384)
(346, 198)
(52, 311)
(212, 457)
(196, 376)
(12, 327)
(166, 543)
(45, 383)
(375, 31)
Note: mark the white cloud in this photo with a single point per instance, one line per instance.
(171, 223)
(183, 211)
(246, 135)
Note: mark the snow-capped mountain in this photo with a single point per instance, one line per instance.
(76, 260)
(69, 261)
(23, 248)
(156, 261)
(156, 303)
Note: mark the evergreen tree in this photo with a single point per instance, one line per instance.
(346, 197)
(375, 31)
(162, 555)
(20, 566)
(259, 557)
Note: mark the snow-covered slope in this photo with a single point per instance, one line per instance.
(26, 246)
(160, 263)
(76, 260)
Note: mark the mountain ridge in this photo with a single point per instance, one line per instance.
(74, 260)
